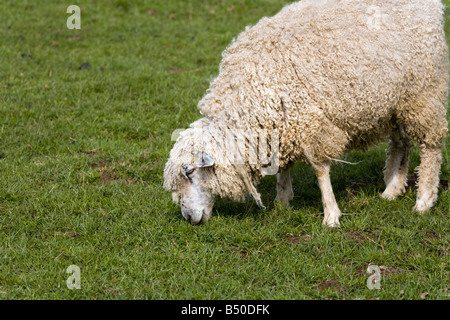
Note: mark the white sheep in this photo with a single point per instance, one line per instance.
(325, 76)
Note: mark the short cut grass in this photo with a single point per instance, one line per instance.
(86, 118)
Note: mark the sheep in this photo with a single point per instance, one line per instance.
(324, 77)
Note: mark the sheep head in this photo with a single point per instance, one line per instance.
(189, 189)
(197, 173)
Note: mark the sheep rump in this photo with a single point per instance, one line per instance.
(329, 76)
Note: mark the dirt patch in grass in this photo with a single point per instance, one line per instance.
(297, 239)
(388, 270)
(89, 153)
(355, 236)
(432, 235)
(444, 252)
(176, 70)
(108, 174)
(242, 252)
(111, 291)
(57, 233)
(100, 164)
(331, 284)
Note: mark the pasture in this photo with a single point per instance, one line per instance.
(86, 118)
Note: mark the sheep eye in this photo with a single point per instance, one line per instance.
(188, 170)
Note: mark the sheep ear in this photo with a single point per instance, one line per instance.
(205, 160)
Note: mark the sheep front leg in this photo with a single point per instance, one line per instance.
(284, 187)
(330, 207)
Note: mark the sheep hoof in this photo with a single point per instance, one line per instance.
(284, 197)
(331, 221)
(283, 201)
(393, 193)
(421, 206)
(388, 196)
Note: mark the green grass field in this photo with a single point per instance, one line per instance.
(86, 118)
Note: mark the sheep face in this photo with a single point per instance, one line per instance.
(196, 202)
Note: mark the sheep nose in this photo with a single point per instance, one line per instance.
(188, 216)
(193, 221)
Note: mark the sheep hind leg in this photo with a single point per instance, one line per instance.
(396, 168)
(284, 187)
(428, 184)
(427, 125)
(330, 207)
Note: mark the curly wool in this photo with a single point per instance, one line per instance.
(330, 76)
(225, 179)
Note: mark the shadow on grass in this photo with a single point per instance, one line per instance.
(364, 177)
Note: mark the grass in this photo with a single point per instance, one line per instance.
(82, 153)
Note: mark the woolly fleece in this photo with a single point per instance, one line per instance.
(330, 76)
